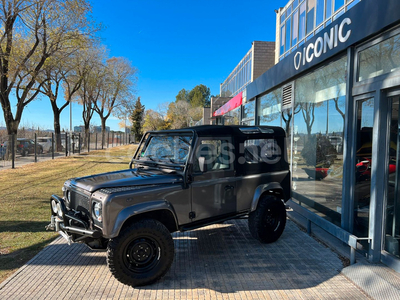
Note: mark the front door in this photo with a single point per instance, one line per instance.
(214, 190)
(391, 222)
(362, 167)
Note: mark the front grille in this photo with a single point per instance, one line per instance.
(79, 202)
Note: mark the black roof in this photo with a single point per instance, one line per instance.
(214, 130)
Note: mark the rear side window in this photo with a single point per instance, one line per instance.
(262, 151)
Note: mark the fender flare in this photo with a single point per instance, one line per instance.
(140, 208)
(261, 189)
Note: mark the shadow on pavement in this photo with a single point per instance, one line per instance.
(222, 257)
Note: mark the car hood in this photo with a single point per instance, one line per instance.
(125, 178)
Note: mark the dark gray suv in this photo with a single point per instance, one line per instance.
(177, 180)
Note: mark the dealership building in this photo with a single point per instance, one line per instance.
(335, 89)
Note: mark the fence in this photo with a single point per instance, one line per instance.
(29, 147)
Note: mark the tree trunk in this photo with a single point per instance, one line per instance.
(103, 131)
(87, 131)
(57, 127)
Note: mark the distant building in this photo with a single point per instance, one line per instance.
(227, 108)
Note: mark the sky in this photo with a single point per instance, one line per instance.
(174, 45)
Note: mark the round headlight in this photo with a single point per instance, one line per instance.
(59, 211)
(54, 206)
(97, 211)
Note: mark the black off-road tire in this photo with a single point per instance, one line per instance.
(141, 254)
(268, 221)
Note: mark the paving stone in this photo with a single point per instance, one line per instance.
(216, 262)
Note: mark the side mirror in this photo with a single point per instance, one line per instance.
(202, 164)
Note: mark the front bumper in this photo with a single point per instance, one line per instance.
(63, 221)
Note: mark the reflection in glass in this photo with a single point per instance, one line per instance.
(310, 15)
(379, 59)
(338, 4)
(319, 112)
(295, 27)
(392, 228)
(362, 190)
(249, 110)
(302, 21)
(320, 12)
(282, 46)
(288, 28)
(269, 108)
(232, 117)
(328, 9)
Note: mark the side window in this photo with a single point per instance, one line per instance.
(216, 153)
(262, 150)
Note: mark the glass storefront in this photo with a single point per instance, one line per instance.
(380, 59)
(269, 108)
(346, 110)
(249, 112)
(362, 169)
(392, 207)
(232, 117)
(319, 115)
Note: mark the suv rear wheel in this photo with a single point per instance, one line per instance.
(268, 221)
(141, 254)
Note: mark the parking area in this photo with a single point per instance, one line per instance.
(215, 262)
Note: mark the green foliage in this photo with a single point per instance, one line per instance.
(199, 96)
(183, 95)
(318, 151)
(137, 119)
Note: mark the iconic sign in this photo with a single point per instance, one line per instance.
(331, 39)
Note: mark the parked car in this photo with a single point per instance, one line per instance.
(27, 146)
(46, 143)
(177, 180)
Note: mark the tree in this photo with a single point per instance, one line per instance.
(199, 96)
(116, 86)
(183, 95)
(33, 31)
(137, 119)
(61, 71)
(181, 114)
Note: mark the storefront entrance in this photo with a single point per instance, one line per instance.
(392, 206)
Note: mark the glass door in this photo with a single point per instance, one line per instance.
(362, 190)
(392, 205)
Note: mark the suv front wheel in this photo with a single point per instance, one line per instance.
(268, 221)
(141, 254)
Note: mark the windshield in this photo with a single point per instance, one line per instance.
(166, 149)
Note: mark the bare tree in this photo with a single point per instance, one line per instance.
(115, 90)
(33, 31)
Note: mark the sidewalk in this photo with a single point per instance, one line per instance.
(215, 262)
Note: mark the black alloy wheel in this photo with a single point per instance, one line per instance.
(141, 254)
(268, 221)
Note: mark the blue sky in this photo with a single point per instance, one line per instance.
(174, 44)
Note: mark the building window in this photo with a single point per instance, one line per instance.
(379, 59)
(310, 16)
(338, 4)
(239, 78)
(288, 29)
(269, 108)
(301, 20)
(319, 114)
(295, 27)
(320, 12)
(249, 111)
(232, 117)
